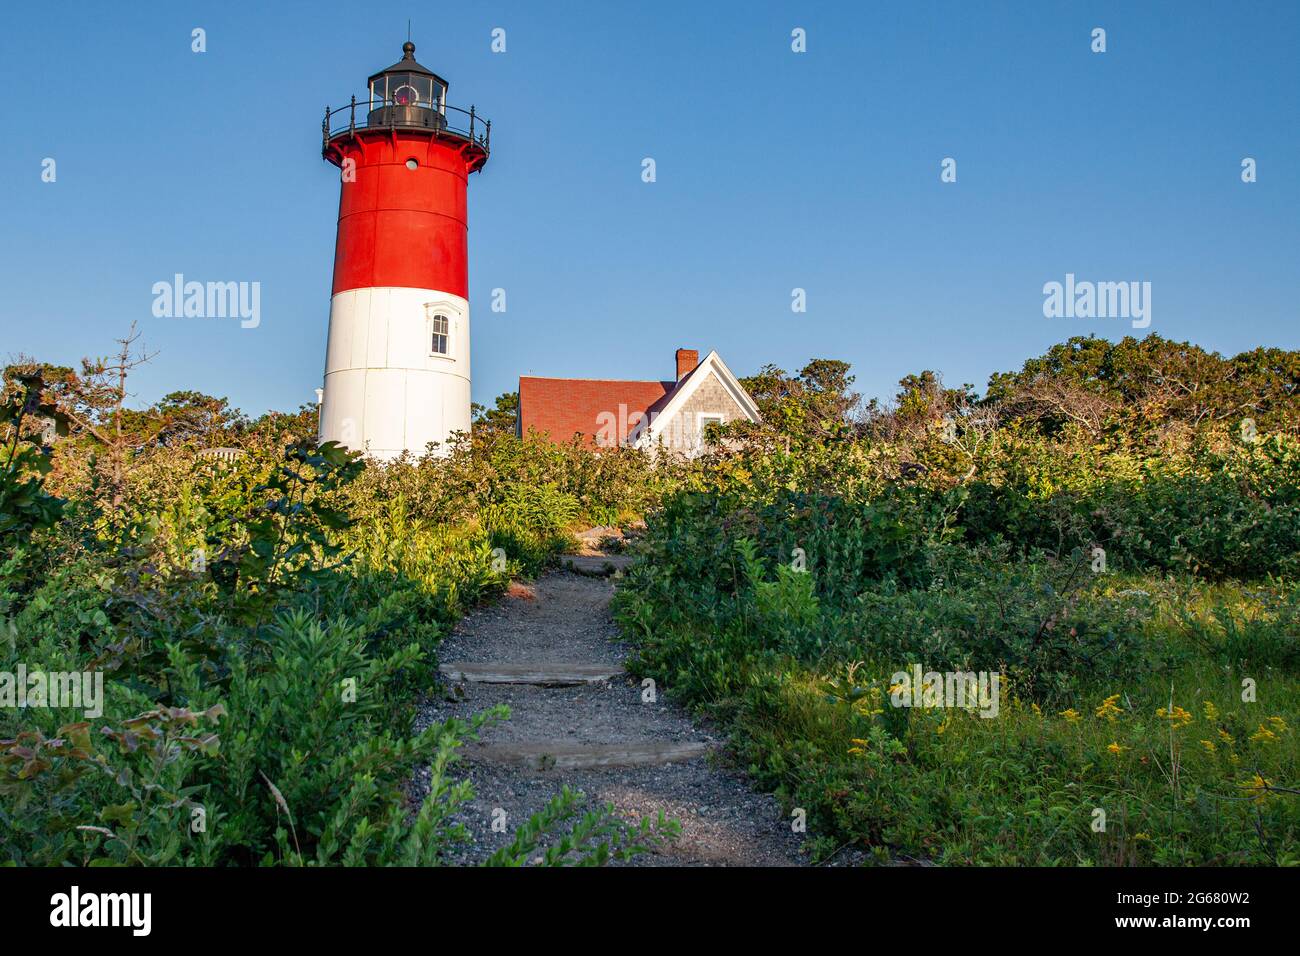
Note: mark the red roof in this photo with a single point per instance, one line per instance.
(563, 407)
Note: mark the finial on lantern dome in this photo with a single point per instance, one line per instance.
(408, 50)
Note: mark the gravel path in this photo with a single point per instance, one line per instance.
(566, 618)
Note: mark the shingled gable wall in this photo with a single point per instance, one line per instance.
(710, 398)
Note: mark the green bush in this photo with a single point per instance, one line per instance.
(265, 632)
(782, 606)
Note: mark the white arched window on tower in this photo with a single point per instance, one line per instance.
(439, 333)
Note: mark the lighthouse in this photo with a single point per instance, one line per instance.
(397, 363)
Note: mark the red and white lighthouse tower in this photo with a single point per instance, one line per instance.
(397, 363)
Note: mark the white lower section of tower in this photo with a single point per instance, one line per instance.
(394, 381)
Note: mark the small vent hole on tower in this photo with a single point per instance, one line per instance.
(411, 164)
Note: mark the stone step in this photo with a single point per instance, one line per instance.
(544, 674)
(566, 755)
(595, 564)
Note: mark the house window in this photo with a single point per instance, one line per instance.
(705, 420)
(440, 333)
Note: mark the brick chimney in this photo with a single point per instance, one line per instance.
(687, 359)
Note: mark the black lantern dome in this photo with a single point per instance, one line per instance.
(407, 94)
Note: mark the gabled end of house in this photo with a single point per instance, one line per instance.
(663, 415)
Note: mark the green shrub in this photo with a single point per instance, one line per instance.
(264, 633)
(784, 612)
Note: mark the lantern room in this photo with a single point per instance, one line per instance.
(407, 94)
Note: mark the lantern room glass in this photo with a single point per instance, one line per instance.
(406, 89)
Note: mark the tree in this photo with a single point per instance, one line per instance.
(502, 418)
(188, 416)
(94, 402)
(1141, 382)
(814, 404)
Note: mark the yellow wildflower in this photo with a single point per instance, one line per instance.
(1176, 716)
(1109, 709)
(1211, 712)
(1071, 715)
(1279, 725)
(1209, 746)
(1116, 749)
(1264, 736)
(1038, 711)
(1260, 786)
(1226, 737)
(1142, 836)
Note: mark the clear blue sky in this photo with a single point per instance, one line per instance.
(775, 170)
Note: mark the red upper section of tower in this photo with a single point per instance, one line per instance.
(402, 215)
(405, 156)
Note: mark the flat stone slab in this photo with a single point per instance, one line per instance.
(596, 563)
(566, 755)
(594, 536)
(545, 674)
